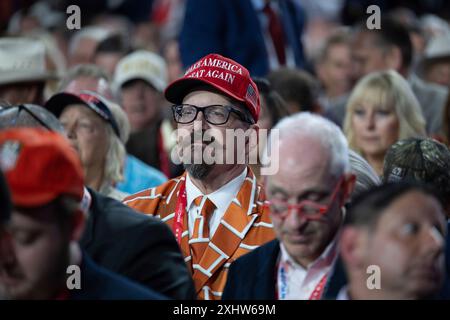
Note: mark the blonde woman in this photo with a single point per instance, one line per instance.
(95, 134)
(381, 110)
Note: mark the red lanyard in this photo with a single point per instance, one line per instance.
(318, 290)
(180, 211)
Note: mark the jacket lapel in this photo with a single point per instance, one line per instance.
(168, 209)
(232, 229)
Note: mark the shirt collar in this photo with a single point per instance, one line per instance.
(222, 197)
(326, 259)
(258, 4)
(343, 294)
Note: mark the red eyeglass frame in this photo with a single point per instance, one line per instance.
(322, 208)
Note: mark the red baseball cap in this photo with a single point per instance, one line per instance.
(39, 166)
(224, 74)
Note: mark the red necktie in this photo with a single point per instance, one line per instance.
(276, 33)
(201, 227)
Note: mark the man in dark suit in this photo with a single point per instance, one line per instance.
(116, 237)
(242, 30)
(140, 247)
(40, 258)
(306, 197)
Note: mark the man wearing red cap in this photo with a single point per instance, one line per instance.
(38, 242)
(215, 210)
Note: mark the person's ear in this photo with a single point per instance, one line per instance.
(78, 224)
(252, 140)
(348, 187)
(394, 59)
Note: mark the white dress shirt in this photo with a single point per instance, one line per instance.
(221, 198)
(343, 294)
(297, 283)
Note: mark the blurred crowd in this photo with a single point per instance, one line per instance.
(87, 122)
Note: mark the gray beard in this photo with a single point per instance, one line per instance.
(198, 171)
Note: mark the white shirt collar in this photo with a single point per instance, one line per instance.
(343, 294)
(258, 4)
(326, 259)
(222, 197)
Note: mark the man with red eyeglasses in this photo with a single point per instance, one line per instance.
(307, 197)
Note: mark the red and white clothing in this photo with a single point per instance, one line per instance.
(221, 198)
(294, 282)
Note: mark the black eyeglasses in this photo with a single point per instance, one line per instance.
(213, 114)
(29, 111)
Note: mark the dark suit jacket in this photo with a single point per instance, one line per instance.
(137, 246)
(253, 276)
(98, 283)
(232, 28)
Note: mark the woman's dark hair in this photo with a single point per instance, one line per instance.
(275, 103)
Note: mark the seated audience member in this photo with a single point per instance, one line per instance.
(139, 176)
(139, 80)
(23, 73)
(423, 160)
(39, 242)
(28, 115)
(94, 133)
(298, 89)
(390, 47)
(273, 106)
(84, 42)
(116, 237)
(136, 174)
(435, 65)
(216, 207)
(109, 51)
(396, 232)
(333, 67)
(381, 110)
(307, 195)
(273, 109)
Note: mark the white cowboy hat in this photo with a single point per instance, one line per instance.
(22, 60)
(438, 47)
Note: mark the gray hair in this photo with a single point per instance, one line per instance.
(83, 70)
(13, 116)
(366, 177)
(324, 131)
(115, 159)
(122, 120)
(88, 32)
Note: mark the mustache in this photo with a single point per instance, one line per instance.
(196, 136)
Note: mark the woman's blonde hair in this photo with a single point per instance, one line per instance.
(115, 157)
(387, 88)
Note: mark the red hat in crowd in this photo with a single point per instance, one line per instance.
(39, 166)
(224, 74)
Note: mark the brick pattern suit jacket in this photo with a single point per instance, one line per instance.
(245, 226)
